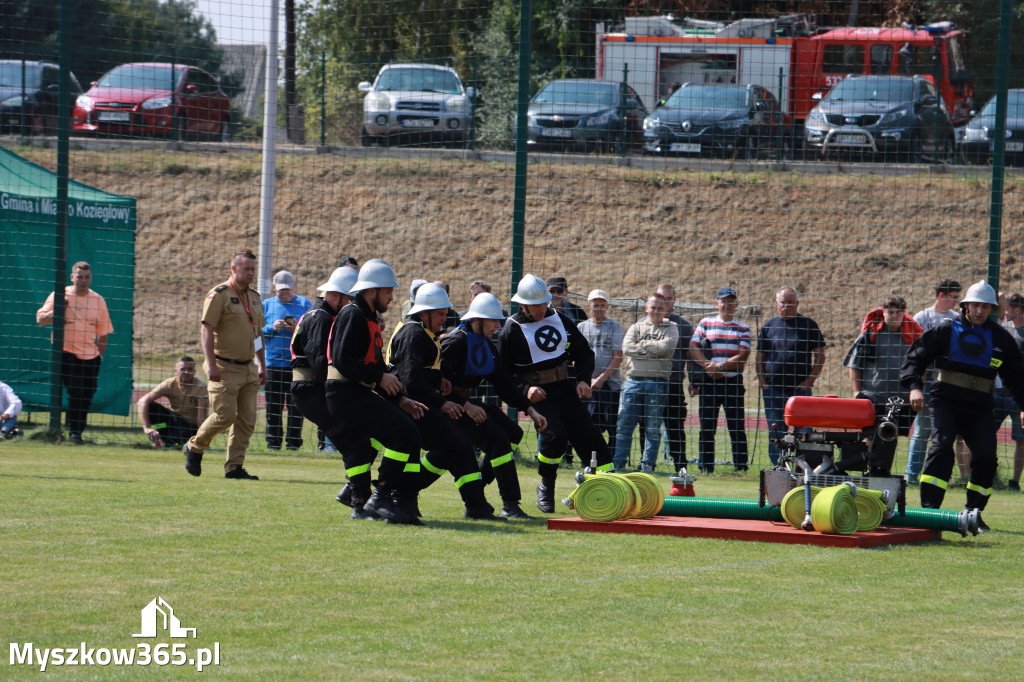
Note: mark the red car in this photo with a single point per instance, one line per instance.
(155, 99)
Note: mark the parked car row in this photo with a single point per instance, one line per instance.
(132, 99)
(895, 118)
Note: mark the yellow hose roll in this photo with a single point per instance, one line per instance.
(631, 508)
(651, 496)
(870, 509)
(603, 498)
(793, 505)
(834, 511)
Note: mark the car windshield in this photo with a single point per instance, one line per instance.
(709, 97)
(10, 74)
(140, 78)
(1014, 106)
(420, 80)
(873, 90)
(578, 92)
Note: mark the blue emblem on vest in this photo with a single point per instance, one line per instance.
(479, 358)
(970, 345)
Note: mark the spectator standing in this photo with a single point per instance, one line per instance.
(281, 313)
(558, 287)
(675, 409)
(231, 340)
(722, 360)
(186, 409)
(605, 338)
(790, 355)
(874, 361)
(86, 327)
(1005, 405)
(10, 408)
(947, 293)
(647, 347)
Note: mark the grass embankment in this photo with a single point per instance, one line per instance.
(291, 588)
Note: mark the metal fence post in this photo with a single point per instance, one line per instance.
(60, 241)
(522, 103)
(323, 98)
(999, 146)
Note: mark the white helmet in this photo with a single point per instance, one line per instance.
(980, 292)
(485, 307)
(341, 281)
(532, 291)
(375, 274)
(430, 297)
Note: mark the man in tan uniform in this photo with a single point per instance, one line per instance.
(178, 421)
(231, 338)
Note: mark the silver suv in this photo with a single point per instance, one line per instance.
(410, 102)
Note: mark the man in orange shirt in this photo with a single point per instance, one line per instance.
(86, 326)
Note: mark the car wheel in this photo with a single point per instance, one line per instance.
(946, 155)
(914, 150)
(224, 132)
(180, 127)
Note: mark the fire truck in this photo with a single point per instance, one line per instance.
(789, 55)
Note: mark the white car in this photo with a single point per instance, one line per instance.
(410, 102)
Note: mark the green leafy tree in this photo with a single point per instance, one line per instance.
(106, 33)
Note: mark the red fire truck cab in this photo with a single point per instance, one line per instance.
(789, 55)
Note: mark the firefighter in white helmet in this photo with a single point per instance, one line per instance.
(537, 344)
(468, 356)
(415, 352)
(968, 352)
(369, 402)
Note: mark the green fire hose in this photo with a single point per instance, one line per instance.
(731, 508)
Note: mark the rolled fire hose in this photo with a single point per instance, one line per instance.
(870, 509)
(731, 508)
(651, 496)
(793, 505)
(614, 497)
(834, 512)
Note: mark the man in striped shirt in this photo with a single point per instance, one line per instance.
(720, 345)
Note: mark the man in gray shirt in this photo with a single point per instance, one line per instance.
(874, 362)
(605, 338)
(1005, 405)
(947, 294)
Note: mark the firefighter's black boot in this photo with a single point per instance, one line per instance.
(546, 495)
(512, 510)
(345, 496)
(932, 496)
(383, 505)
(477, 506)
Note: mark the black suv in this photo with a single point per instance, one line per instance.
(899, 117)
(30, 107)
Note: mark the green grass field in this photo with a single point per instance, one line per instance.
(278, 576)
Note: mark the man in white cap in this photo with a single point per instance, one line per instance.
(537, 344)
(281, 312)
(309, 351)
(605, 338)
(968, 352)
(368, 403)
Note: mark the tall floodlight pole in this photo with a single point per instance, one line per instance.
(268, 181)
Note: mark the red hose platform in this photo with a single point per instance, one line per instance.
(747, 530)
